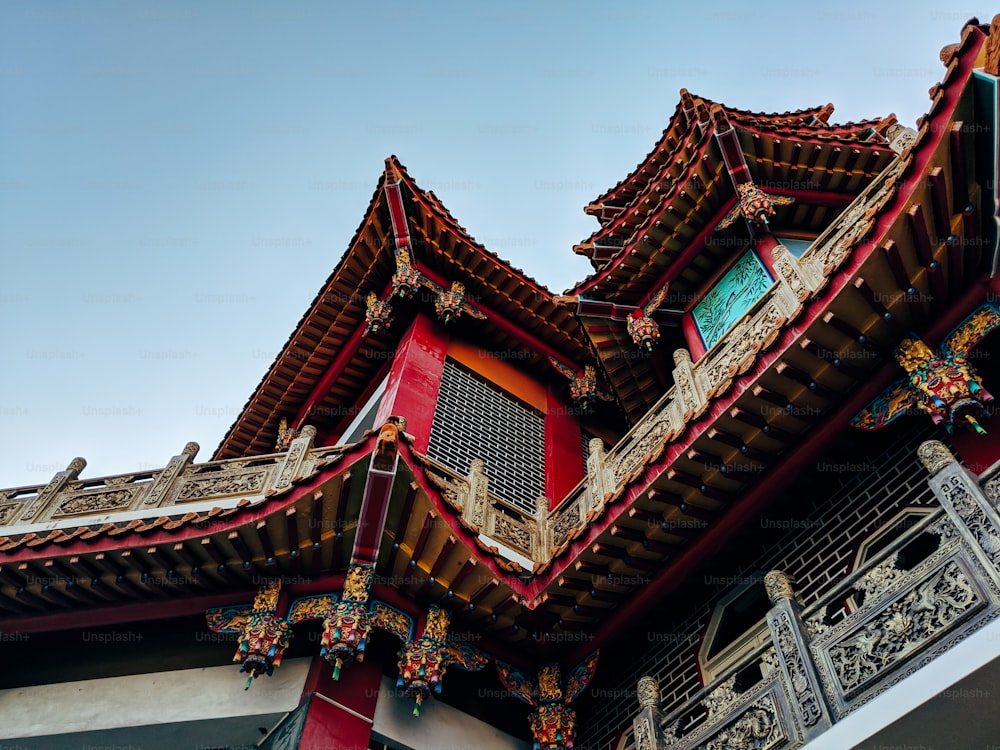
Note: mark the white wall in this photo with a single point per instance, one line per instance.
(140, 710)
(439, 726)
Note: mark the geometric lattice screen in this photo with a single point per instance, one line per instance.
(474, 419)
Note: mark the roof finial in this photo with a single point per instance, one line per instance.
(392, 174)
(992, 62)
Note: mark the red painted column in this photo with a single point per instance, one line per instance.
(563, 455)
(342, 711)
(695, 345)
(415, 379)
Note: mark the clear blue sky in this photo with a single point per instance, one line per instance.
(177, 180)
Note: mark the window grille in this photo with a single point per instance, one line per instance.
(474, 419)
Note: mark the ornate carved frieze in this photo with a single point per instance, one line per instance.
(8, 511)
(95, 502)
(237, 483)
(955, 491)
(514, 533)
(757, 728)
(742, 344)
(566, 520)
(902, 628)
(852, 226)
(880, 579)
(992, 489)
(638, 451)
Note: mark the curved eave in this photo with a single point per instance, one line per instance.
(444, 250)
(625, 191)
(331, 328)
(659, 224)
(330, 320)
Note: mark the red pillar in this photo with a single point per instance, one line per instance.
(341, 711)
(415, 379)
(690, 330)
(563, 452)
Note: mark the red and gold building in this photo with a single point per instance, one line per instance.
(677, 506)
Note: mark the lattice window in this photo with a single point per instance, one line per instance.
(474, 419)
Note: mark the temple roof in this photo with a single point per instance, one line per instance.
(813, 120)
(329, 359)
(912, 252)
(661, 226)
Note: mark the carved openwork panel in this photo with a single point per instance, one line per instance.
(925, 611)
(221, 484)
(954, 490)
(511, 532)
(567, 520)
(96, 502)
(759, 724)
(851, 227)
(991, 487)
(9, 511)
(115, 493)
(742, 343)
(642, 446)
(803, 691)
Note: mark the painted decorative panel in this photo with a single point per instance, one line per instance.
(731, 297)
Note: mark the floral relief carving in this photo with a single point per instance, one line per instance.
(8, 511)
(643, 732)
(229, 484)
(992, 490)
(635, 455)
(566, 522)
(902, 627)
(850, 228)
(956, 492)
(745, 339)
(757, 728)
(511, 531)
(880, 579)
(93, 502)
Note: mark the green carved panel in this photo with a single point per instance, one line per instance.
(731, 297)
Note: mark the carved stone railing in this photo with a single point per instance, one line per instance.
(696, 384)
(490, 514)
(929, 589)
(179, 487)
